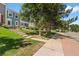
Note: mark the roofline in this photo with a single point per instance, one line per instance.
(12, 10)
(3, 3)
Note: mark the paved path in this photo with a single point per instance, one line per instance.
(51, 48)
(74, 35)
(59, 47)
(70, 46)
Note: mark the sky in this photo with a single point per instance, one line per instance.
(75, 12)
(14, 6)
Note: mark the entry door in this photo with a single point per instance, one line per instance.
(1, 18)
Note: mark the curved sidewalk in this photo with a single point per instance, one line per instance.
(59, 47)
(70, 47)
(51, 48)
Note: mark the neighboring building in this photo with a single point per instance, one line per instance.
(24, 23)
(2, 13)
(8, 17)
(31, 24)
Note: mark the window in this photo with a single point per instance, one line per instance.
(10, 14)
(16, 23)
(26, 24)
(21, 23)
(16, 16)
(8, 22)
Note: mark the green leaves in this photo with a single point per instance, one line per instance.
(72, 20)
(74, 27)
(46, 16)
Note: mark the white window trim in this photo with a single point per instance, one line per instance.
(17, 23)
(10, 21)
(9, 12)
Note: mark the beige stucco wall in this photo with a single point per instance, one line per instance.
(2, 11)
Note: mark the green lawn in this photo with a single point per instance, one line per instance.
(7, 33)
(13, 44)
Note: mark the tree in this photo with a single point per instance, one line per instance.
(45, 16)
(74, 28)
(65, 24)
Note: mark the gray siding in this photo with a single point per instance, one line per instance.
(14, 17)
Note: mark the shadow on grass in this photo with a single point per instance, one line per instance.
(10, 43)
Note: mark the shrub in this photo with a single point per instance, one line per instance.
(29, 31)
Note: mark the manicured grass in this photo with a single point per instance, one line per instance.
(7, 33)
(14, 44)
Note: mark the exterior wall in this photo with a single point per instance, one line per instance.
(16, 20)
(13, 17)
(24, 24)
(31, 24)
(2, 13)
(9, 19)
(0, 18)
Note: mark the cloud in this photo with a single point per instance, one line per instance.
(68, 7)
(75, 9)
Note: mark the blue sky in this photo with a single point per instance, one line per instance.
(75, 11)
(14, 6)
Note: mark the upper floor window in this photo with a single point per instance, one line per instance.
(16, 16)
(10, 14)
(16, 23)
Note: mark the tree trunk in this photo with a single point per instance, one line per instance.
(39, 32)
(48, 29)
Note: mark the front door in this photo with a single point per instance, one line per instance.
(1, 19)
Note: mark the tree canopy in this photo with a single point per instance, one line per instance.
(45, 16)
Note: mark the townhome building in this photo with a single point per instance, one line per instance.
(8, 17)
(24, 23)
(13, 19)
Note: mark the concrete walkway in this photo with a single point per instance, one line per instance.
(70, 47)
(42, 40)
(59, 47)
(51, 48)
